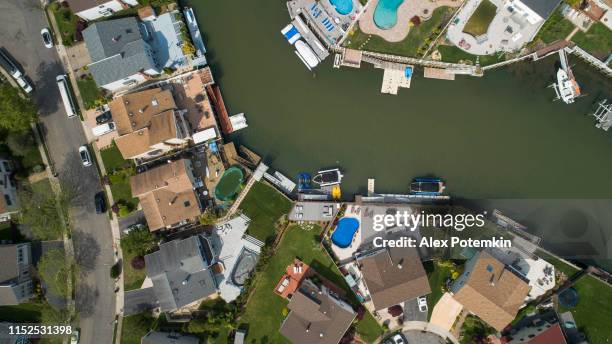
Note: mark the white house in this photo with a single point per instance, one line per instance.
(534, 11)
(95, 9)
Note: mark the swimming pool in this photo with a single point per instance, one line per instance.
(229, 184)
(385, 14)
(345, 231)
(343, 7)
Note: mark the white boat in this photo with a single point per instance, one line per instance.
(291, 34)
(328, 177)
(306, 54)
(566, 88)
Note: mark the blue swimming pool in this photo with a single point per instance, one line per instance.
(385, 14)
(343, 7)
(345, 231)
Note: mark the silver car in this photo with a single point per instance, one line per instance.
(85, 157)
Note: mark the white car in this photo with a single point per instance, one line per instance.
(85, 157)
(422, 301)
(74, 339)
(398, 339)
(24, 84)
(46, 37)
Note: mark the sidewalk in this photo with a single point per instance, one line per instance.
(424, 326)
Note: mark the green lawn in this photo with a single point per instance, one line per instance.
(132, 278)
(113, 160)
(135, 327)
(559, 265)
(409, 46)
(479, 22)
(264, 206)
(264, 311)
(66, 22)
(555, 28)
(597, 41)
(594, 309)
(454, 54)
(90, 93)
(29, 312)
(436, 275)
(121, 190)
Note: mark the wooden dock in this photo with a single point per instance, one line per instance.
(438, 73)
(214, 93)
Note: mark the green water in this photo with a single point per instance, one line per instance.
(229, 184)
(499, 136)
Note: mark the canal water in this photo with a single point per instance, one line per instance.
(500, 136)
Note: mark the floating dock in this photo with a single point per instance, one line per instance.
(395, 77)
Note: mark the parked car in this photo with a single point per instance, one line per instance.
(135, 226)
(85, 157)
(100, 203)
(75, 337)
(103, 129)
(46, 37)
(23, 83)
(9, 65)
(103, 118)
(398, 338)
(422, 301)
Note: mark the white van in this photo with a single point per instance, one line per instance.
(103, 129)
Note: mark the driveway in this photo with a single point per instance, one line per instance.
(412, 312)
(20, 25)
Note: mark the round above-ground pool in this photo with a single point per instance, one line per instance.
(229, 184)
(569, 298)
(385, 14)
(345, 231)
(343, 7)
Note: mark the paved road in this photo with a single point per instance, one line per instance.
(20, 25)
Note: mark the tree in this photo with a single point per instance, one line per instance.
(16, 113)
(139, 241)
(39, 212)
(54, 269)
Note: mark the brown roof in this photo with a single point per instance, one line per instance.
(316, 317)
(552, 335)
(394, 275)
(492, 292)
(166, 194)
(161, 127)
(134, 111)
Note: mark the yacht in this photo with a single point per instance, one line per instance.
(567, 88)
(427, 186)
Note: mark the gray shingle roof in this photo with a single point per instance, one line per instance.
(117, 49)
(181, 273)
(542, 7)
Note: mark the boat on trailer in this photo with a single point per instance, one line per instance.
(328, 177)
(427, 186)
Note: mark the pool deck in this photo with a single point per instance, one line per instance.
(407, 10)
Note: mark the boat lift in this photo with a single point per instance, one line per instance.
(603, 114)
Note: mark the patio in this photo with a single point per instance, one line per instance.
(295, 273)
(408, 9)
(508, 31)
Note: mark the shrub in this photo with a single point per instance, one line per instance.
(285, 311)
(138, 263)
(415, 21)
(115, 270)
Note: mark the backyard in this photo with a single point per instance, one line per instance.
(264, 312)
(479, 22)
(419, 35)
(454, 54)
(559, 265)
(264, 206)
(594, 309)
(555, 28)
(597, 41)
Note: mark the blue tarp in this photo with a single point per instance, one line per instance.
(291, 33)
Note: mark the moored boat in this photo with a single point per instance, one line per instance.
(427, 186)
(328, 177)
